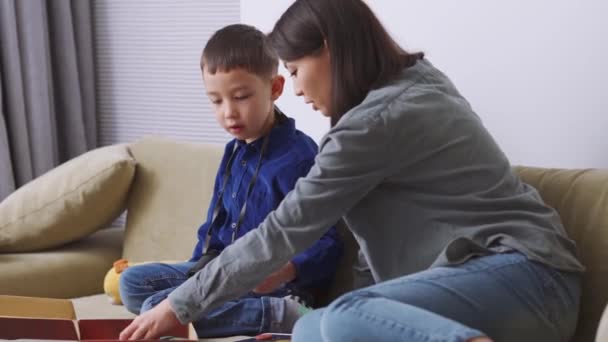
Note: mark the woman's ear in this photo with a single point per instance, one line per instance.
(276, 87)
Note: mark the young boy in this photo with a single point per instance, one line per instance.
(260, 166)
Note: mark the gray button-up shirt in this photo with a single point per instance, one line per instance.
(418, 180)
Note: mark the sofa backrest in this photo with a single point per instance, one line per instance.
(169, 197)
(581, 199)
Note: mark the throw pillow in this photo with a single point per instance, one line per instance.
(68, 202)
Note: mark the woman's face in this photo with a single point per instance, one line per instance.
(311, 79)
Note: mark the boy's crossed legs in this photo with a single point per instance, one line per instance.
(142, 287)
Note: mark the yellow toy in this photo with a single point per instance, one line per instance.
(110, 282)
(112, 278)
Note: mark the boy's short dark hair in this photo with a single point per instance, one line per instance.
(240, 46)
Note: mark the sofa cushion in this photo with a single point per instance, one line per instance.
(169, 197)
(68, 202)
(74, 270)
(581, 198)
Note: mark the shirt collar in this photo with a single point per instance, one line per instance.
(283, 128)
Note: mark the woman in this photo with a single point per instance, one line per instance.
(459, 248)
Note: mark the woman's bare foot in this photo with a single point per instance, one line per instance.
(480, 339)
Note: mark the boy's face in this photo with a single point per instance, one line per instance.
(243, 102)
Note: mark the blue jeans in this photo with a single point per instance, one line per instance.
(504, 296)
(142, 287)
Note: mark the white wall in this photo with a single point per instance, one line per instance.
(535, 71)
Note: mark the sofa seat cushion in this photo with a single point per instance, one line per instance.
(74, 270)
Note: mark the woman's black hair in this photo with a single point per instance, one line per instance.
(363, 55)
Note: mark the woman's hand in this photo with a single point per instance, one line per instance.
(151, 324)
(284, 275)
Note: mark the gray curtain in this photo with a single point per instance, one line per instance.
(47, 87)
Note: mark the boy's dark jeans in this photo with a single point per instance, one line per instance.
(144, 286)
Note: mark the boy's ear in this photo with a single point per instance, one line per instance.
(276, 88)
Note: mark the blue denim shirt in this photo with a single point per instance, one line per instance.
(289, 156)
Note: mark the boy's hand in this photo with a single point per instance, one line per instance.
(284, 275)
(151, 324)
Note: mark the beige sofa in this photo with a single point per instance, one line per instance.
(168, 199)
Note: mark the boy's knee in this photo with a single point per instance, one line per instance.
(129, 278)
(130, 287)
